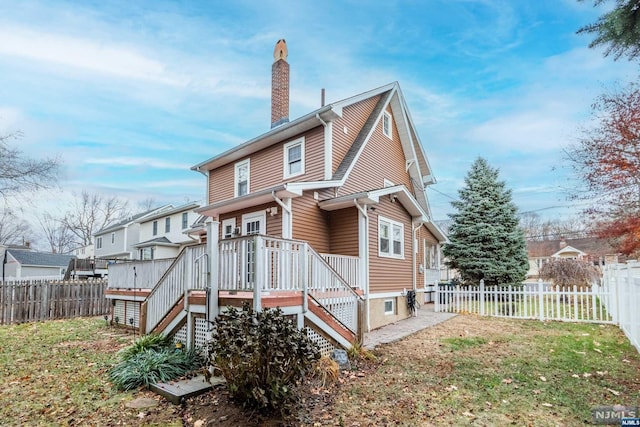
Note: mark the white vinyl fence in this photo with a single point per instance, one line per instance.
(622, 281)
(615, 300)
(530, 301)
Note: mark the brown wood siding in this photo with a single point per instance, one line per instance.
(389, 274)
(274, 223)
(266, 167)
(310, 223)
(353, 117)
(343, 230)
(381, 158)
(221, 183)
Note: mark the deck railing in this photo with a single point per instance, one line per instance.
(137, 274)
(348, 267)
(263, 264)
(182, 275)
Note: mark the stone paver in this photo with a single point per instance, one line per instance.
(426, 316)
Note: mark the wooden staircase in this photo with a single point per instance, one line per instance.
(264, 272)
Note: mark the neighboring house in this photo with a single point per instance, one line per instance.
(118, 240)
(591, 249)
(163, 233)
(28, 264)
(348, 178)
(84, 252)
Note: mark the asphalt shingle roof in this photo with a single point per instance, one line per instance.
(26, 257)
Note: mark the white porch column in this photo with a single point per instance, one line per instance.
(287, 219)
(213, 231)
(363, 254)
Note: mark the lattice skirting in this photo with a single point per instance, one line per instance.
(325, 347)
(124, 311)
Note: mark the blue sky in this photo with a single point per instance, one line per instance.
(131, 94)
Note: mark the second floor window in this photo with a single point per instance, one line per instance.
(242, 178)
(185, 220)
(167, 225)
(99, 243)
(113, 238)
(294, 158)
(155, 228)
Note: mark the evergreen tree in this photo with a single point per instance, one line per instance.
(486, 241)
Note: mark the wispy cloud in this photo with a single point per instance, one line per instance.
(146, 162)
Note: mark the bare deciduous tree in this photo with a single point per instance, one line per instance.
(57, 234)
(92, 212)
(19, 173)
(552, 229)
(13, 229)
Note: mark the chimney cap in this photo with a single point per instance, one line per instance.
(280, 51)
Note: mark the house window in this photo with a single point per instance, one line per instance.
(391, 241)
(294, 158)
(386, 124)
(228, 226)
(113, 238)
(185, 220)
(146, 254)
(242, 178)
(167, 224)
(389, 306)
(155, 228)
(99, 243)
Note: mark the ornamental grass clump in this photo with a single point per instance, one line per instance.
(262, 355)
(152, 359)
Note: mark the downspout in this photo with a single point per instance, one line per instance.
(413, 255)
(365, 261)
(328, 147)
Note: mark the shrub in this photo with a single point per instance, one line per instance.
(151, 359)
(262, 356)
(146, 342)
(569, 272)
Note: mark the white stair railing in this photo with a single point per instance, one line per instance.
(180, 276)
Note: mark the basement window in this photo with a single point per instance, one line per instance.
(389, 306)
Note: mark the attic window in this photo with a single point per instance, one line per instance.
(386, 124)
(294, 158)
(242, 178)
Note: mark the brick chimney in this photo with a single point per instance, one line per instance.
(563, 243)
(279, 85)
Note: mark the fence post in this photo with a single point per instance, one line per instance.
(541, 299)
(437, 301)
(481, 297)
(304, 276)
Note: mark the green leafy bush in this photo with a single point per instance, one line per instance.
(262, 355)
(144, 343)
(152, 358)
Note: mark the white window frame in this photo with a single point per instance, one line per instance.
(98, 242)
(287, 162)
(185, 220)
(393, 306)
(113, 237)
(392, 225)
(167, 224)
(154, 228)
(226, 223)
(386, 118)
(236, 181)
(253, 216)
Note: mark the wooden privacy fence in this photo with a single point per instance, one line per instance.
(530, 301)
(33, 300)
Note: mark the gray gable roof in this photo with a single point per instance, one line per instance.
(124, 222)
(44, 259)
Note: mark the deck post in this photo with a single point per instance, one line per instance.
(258, 272)
(304, 273)
(213, 229)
